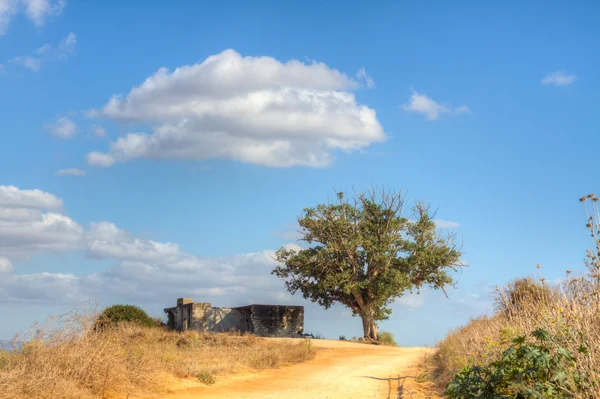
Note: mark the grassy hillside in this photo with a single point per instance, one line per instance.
(72, 360)
(568, 312)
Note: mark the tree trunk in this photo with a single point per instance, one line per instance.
(369, 326)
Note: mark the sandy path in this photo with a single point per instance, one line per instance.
(340, 370)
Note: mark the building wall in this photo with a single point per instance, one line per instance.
(262, 320)
(226, 319)
(277, 321)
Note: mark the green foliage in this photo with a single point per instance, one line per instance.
(364, 254)
(532, 367)
(207, 377)
(386, 338)
(115, 314)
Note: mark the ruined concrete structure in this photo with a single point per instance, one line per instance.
(262, 320)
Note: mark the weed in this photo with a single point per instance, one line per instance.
(538, 368)
(206, 377)
(386, 338)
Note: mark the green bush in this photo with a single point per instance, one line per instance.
(207, 377)
(386, 338)
(537, 369)
(115, 314)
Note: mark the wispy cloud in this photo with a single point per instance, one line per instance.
(63, 128)
(37, 11)
(362, 75)
(46, 53)
(292, 232)
(422, 104)
(98, 131)
(558, 79)
(70, 172)
(446, 224)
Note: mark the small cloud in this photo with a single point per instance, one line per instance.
(362, 75)
(412, 300)
(67, 45)
(99, 159)
(70, 172)
(290, 233)
(64, 128)
(26, 61)
(6, 266)
(47, 53)
(446, 224)
(558, 79)
(432, 110)
(39, 10)
(463, 109)
(98, 131)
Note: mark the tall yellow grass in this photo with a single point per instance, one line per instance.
(68, 359)
(569, 310)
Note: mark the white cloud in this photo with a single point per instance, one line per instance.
(36, 10)
(42, 288)
(432, 110)
(250, 109)
(362, 75)
(70, 172)
(47, 52)
(8, 8)
(462, 109)
(558, 79)
(12, 197)
(6, 266)
(39, 10)
(27, 229)
(28, 62)
(446, 224)
(98, 131)
(63, 128)
(412, 300)
(145, 269)
(290, 233)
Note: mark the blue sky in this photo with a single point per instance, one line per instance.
(184, 183)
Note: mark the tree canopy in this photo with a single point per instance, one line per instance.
(364, 254)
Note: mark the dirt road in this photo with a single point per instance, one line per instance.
(340, 370)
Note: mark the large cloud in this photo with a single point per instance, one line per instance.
(143, 269)
(250, 109)
(30, 223)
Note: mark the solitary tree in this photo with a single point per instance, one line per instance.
(364, 254)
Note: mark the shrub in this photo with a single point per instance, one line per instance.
(538, 369)
(522, 293)
(386, 338)
(206, 377)
(116, 314)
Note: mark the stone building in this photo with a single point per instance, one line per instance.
(262, 320)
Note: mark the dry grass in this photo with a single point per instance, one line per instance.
(67, 359)
(570, 311)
